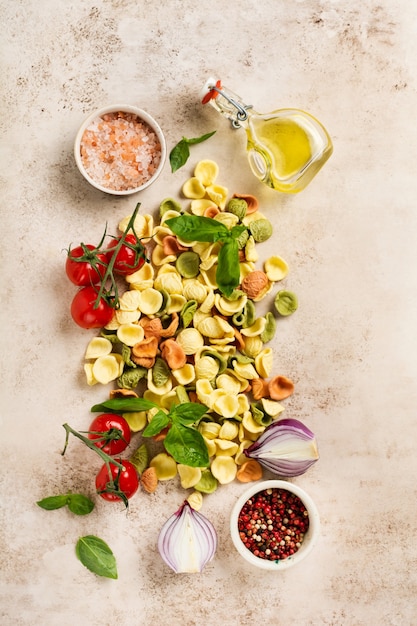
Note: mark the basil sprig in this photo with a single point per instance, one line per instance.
(95, 555)
(183, 442)
(206, 229)
(180, 153)
(76, 502)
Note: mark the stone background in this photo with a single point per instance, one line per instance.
(350, 241)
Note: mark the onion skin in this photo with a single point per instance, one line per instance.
(187, 541)
(275, 448)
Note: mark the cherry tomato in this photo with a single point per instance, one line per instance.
(111, 431)
(83, 312)
(88, 271)
(126, 482)
(128, 259)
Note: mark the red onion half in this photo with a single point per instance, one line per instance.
(187, 541)
(286, 447)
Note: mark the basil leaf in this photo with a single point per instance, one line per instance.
(80, 504)
(196, 228)
(201, 138)
(187, 413)
(123, 405)
(76, 502)
(95, 555)
(228, 268)
(179, 155)
(53, 502)
(186, 446)
(236, 231)
(159, 421)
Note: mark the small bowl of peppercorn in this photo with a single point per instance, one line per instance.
(274, 525)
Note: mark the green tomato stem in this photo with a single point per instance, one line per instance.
(89, 443)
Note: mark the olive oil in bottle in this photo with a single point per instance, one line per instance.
(286, 148)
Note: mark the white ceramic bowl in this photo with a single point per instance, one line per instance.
(118, 163)
(310, 538)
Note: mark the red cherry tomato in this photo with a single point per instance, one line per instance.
(89, 271)
(125, 481)
(111, 431)
(129, 258)
(83, 309)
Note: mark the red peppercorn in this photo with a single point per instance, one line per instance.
(272, 524)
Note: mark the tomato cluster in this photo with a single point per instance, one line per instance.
(90, 268)
(111, 434)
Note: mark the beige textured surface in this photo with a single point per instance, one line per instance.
(350, 240)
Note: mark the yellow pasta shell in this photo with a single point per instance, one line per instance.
(206, 367)
(275, 268)
(193, 289)
(127, 317)
(208, 303)
(106, 368)
(225, 404)
(130, 334)
(144, 275)
(190, 340)
(245, 370)
(204, 391)
(253, 346)
(251, 253)
(257, 328)
(168, 281)
(165, 466)
(129, 301)
(243, 403)
(189, 476)
(137, 420)
(264, 362)
(224, 469)
(176, 303)
(272, 407)
(160, 258)
(88, 369)
(252, 217)
(151, 301)
(209, 430)
(250, 425)
(228, 219)
(143, 226)
(226, 447)
(193, 188)
(184, 375)
(240, 457)
(218, 194)
(206, 171)
(200, 205)
(98, 346)
(228, 383)
(215, 327)
(229, 430)
(228, 307)
(211, 446)
(195, 500)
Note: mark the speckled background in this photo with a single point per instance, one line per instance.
(350, 241)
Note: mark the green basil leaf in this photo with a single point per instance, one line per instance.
(187, 413)
(123, 405)
(186, 446)
(196, 228)
(159, 421)
(228, 268)
(199, 139)
(53, 502)
(95, 555)
(237, 230)
(179, 155)
(76, 502)
(80, 504)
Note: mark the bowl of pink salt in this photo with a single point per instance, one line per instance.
(120, 149)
